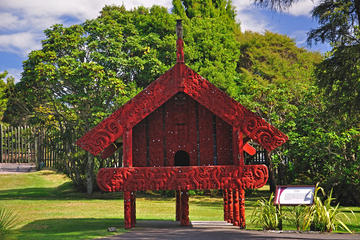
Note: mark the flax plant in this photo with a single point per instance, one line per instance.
(321, 216)
(8, 220)
(266, 214)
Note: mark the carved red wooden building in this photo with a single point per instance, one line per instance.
(182, 133)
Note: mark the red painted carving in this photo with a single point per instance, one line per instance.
(155, 138)
(224, 142)
(178, 205)
(182, 178)
(226, 205)
(127, 210)
(231, 206)
(133, 209)
(206, 137)
(236, 208)
(127, 145)
(182, 111)
(180, 50)
(181, 78)
(242, 208)
(184, 220)
(139, 145)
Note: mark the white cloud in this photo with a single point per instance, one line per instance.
(19, 43)
(302, 8)
(252, 22)
(24, 20)
(8, 21)
(300, 37)
(249, 17)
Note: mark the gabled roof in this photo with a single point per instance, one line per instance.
(179, 78)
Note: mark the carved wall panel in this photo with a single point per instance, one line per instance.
(224, 142)
(182, 178)
(140, 145)
(182, 124)
(206, 137)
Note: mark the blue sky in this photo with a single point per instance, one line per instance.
(23, 21)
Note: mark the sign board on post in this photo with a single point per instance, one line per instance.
(294, 195)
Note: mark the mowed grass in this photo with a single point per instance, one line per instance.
(50, 208)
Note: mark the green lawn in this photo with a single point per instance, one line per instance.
(50, 208)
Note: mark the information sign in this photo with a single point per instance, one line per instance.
(294, 195)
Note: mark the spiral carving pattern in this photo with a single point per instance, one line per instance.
(182, 178)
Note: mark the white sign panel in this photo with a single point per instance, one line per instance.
(294, 195)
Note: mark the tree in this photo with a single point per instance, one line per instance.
(334, 129)
(338, 23)
(84, 72)
(273, 78)
(204, 9)
(6, 86)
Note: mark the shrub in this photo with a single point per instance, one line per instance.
(266, 214)
(321, 216)
(8, 220)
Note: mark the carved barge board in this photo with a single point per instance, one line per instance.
(182, 178)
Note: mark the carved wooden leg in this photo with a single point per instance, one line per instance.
(226, 206)
(231, 206)
(184, 221)
(127, 209)
(178, 205)
(242, 208)
(133, 209)
(236, 208)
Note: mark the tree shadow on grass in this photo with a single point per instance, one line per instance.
(68, 228)
(64, 191)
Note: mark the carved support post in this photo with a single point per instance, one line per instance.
(127, 148)
(226, 206)
(231, 206)
(133, 209)
(238, 152)
(178, 205)
(127, 210)
(184, 221)
(236, 208)
(242, 208)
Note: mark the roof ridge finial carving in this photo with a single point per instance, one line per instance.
(179, 42)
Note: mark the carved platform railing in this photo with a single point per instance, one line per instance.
(182, 178)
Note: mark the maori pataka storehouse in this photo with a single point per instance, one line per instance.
(182, 133)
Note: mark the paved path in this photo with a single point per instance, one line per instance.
(215, 231)
(11, 168)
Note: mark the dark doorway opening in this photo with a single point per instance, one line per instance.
(182, 158)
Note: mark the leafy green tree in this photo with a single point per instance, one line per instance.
(6, 86)
(84, 72)
(203, 8)
(330, 137)
(273, 77)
